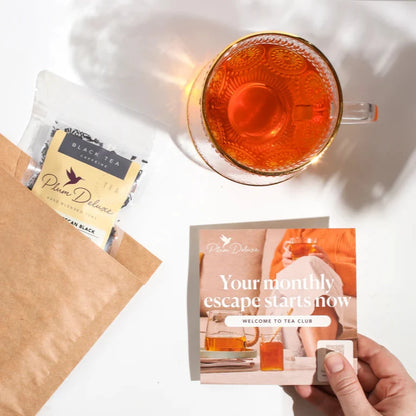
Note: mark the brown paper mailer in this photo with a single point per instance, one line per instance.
(13, 160)
(125, 249)
(59, 292)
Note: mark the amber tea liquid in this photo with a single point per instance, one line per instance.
(225, 343)
(271, 356)
(301, 249)
(268, 108)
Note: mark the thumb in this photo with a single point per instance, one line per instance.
(345, 385)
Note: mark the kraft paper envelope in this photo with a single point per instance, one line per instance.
(125, 249)
(59, 291)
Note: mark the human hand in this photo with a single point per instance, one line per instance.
(286, 256)
(383, 386)
(321, 253)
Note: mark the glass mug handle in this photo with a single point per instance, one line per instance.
(359, 113)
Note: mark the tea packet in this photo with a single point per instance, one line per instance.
(87, 157)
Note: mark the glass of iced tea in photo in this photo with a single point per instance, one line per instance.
(300, 246)
(266, 107)
(271, 351)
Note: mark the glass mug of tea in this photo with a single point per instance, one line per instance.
(266, 107)
(300, 246)
(220, 337)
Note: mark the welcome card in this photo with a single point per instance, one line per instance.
(273, 302)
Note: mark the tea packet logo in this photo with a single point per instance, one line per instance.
(73, 178)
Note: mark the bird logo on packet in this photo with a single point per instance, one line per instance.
(73, 178)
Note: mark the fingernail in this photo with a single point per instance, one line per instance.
(334, 362)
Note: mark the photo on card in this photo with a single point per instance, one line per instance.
(273, 302)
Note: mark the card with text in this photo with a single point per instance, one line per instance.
(273, 302)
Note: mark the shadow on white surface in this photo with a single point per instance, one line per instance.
(368, 160)
(146, 59)
(144, 55)
(301, 407)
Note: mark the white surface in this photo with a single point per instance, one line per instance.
(140, 52)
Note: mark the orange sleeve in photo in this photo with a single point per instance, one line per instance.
(338, 243)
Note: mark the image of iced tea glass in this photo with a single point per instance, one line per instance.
(271, 351)
(300, 246)
(267, 107)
